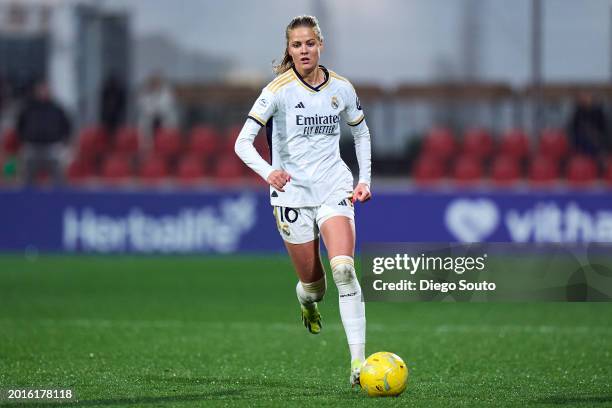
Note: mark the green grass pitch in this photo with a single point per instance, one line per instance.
(225, 331)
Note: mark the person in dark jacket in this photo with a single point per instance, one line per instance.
(588, 127)
(112, 104)
(44, 128)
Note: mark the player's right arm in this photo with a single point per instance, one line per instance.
(262, 111)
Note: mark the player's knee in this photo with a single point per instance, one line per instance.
(312, 291)
(343, 269)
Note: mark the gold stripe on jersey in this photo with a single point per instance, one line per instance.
(278, 78)
(280, 84)
(356, 122)
(257, 118)
(276, 81)
(334, 75)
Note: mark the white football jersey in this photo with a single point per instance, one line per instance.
(305, 134)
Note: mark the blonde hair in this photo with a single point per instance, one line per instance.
(299, 21)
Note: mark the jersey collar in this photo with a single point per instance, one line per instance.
(307, 85)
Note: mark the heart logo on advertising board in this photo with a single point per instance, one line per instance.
(471, 220)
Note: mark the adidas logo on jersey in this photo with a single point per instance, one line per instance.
(300, 105)
(347, 202)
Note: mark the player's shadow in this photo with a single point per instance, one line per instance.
(241, 383)
(571, 400)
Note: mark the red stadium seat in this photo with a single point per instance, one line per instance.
(467, 170)
(116, 168)
(153, 169)
(543, 170)
(93, 141)
(439, 142)
(233, 131)
(428, 170)
(190, 169)
(229, 169)
(514, 143)
(204, 141)
(607, 175)
(227, 147)
(581, 171)
(553, 143)
(10, 142)
(127, 140)
(505, 170)
(80, 169)
(168, 142)
(477, 143)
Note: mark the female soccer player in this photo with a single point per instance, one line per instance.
(311, 188)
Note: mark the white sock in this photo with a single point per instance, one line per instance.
(310, 293)
(352, 308)
(357, 351)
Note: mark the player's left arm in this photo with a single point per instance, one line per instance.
(355, 118)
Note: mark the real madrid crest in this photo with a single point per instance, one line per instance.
(334, 102)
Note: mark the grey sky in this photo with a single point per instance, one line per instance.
(390, 41)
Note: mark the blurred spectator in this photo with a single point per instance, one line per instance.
(112, 104)
(43, 127)
(4, 103)
(12, 103)
(588, 127)
(2, 95)
(157, 107)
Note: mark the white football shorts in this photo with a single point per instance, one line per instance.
(302, 224)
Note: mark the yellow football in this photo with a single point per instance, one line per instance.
(383, 374)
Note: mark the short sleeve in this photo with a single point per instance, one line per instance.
(263, 108)
(353, 113)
